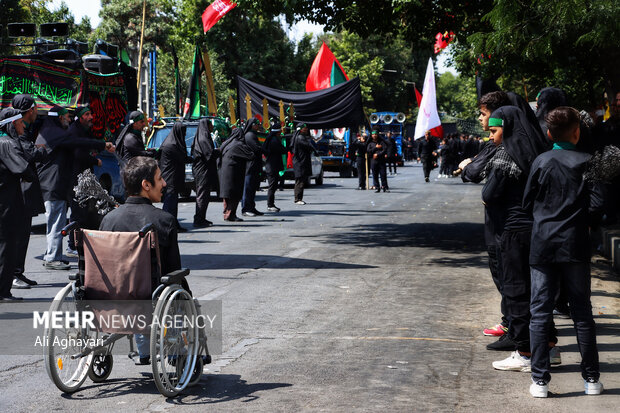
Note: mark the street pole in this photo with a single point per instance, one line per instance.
(141, 42)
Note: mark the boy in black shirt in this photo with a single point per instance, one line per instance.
(559, 200)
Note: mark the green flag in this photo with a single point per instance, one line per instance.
(191, 108)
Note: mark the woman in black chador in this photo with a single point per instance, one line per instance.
(235, 155)
(519, 143)
(204, 169)
(172, 164)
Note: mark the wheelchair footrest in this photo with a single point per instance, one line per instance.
(175, 277)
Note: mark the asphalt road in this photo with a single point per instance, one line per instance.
(356, 301)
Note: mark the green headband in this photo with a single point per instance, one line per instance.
(137, 119)
(59, 112)
(374, 132)
(81, 111)
(495, 122)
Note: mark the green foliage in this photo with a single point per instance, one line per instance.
(456, 96)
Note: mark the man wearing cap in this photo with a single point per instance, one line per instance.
(302, 163)
(129, 143)
(55, 174)
(253, 169)
(33, 199)
(13, 168)
(274, 150)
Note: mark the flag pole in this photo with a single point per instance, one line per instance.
(141, 42)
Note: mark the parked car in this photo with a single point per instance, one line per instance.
(220, 133)
(109, 175)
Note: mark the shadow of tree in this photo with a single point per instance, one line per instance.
(233, 261)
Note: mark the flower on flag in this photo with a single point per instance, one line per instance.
(442, 40)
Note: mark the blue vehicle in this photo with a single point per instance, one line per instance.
(109, 175)
(334, 153)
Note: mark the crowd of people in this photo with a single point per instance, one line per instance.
(549, 178)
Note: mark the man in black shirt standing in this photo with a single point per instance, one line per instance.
(359, 150)
(427, 153)
(377, 151)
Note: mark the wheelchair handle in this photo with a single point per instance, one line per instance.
(65, 231)
(145, 229)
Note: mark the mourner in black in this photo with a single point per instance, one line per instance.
(358, 149)
(427, 153)
(563, 209)
(377, 152)
(301, 144)
(33, 200)
(144, 186)
(392, 152)
(274, 151)
(129, 142)
(172, 164)
(55, 175)
(520, 142)
(235, 155)
(205, 170)
(253, 168)
(13, 168)
(83, 159)
(548, 99)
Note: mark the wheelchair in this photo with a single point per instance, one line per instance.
(178, 352)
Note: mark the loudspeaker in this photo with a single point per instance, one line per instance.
(43, 45)
(54, 29)
(100, 63)
(78, 47)
(387, 119)
(374, 118)
(104, 48)
(401, 117)
(22, 29)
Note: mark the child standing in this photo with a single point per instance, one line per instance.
(559, 200)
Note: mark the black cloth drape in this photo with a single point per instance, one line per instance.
(336, 107)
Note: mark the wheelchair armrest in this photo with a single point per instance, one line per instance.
(65, 231)
(175, 277)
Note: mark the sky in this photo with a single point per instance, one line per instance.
(81, 8)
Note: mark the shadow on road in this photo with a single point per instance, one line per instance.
(459, 237)
(214, 388)
(234, 261)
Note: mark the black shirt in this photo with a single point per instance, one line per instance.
(559, 200)
(134, 215)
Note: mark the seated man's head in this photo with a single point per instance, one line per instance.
(142, 177)
(563, 124)
(488, 104)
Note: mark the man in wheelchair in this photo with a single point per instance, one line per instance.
(144, 185)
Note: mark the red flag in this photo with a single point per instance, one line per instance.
(418, 95)
(215, 12)
(325, 72)
(438, 131)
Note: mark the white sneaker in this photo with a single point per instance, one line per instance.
(300, 202)
(516, 362)
(71, 253)
(593, 386)
(539, 388)
(555, 357)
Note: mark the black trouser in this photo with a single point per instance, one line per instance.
(391, 162)
(204, 183)
(272, 187)
(300, 183)
(7, 264)
(427, 166)
(251, 185)
(86, 217)
(378, 171)
(23, 239)
(494, 267)
(516, 284)
(360, 163)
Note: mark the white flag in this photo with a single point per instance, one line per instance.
(428, 118)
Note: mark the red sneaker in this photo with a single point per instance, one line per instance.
(498, 331)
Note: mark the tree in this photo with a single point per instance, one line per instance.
(456, 95)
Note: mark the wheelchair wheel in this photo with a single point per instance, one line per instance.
(197, 373)
(67, 373)
(101, 367)
(174, 341)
